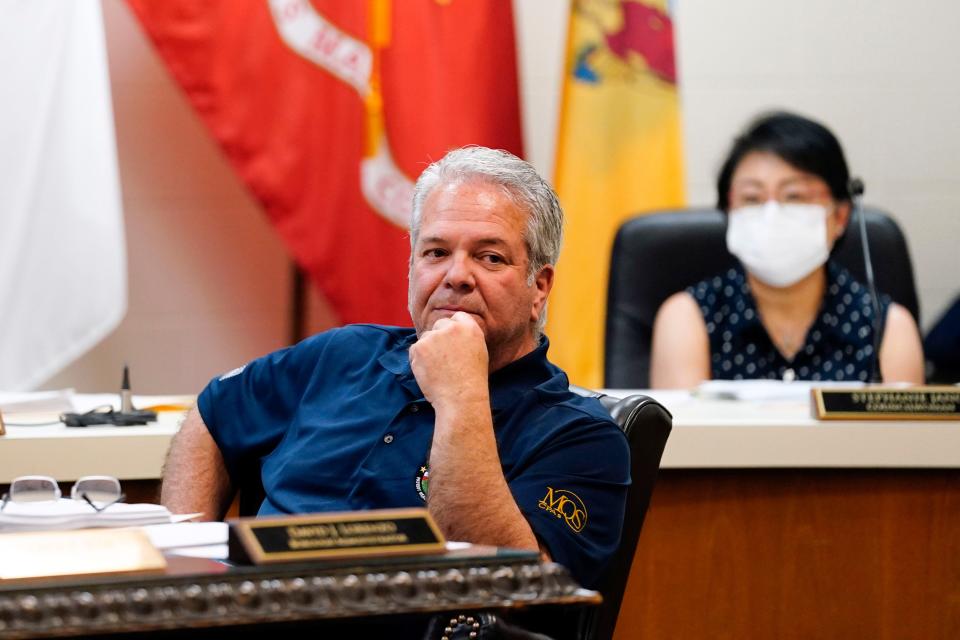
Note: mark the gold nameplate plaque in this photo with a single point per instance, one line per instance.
(334, 535)
(45, 554)
(868, 403)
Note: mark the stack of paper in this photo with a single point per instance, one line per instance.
(767, 390)
(62, 514)
(37, 401)
(195, 539)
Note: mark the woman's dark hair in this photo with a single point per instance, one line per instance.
(807, 145)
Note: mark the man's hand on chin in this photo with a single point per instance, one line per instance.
(451, 364)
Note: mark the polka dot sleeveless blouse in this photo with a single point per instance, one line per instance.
(838, 346)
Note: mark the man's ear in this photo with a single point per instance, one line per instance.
(543, 282)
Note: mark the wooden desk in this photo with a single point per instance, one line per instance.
(768, 524)
(133, 454)
(764, 523)
(68, 453)
(798, 553)
(392, 598)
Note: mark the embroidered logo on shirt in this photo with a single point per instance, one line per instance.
(566, 505)
(230, 374)
(422, 482)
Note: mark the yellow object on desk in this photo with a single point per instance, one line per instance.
(171, 403)
(168, 407)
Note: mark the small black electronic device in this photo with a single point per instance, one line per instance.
(127, 416)
(106, 415)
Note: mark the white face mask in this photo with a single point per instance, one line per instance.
(779, 243)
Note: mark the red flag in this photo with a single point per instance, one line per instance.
(329, 110)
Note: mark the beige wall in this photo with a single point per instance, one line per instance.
(882, 74)
(209, 280)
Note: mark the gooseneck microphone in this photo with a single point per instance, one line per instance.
(856, 189)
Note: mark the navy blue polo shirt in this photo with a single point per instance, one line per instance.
(338, 422)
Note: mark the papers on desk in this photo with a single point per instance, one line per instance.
(766, 390)
(55, 515)
(62, 400)
(42, 409)
(194, 539)
(209, 539)
(37, 401)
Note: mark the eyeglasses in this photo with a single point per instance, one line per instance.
(794, 192)
(98, 491)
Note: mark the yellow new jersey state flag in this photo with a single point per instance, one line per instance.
(618, 154)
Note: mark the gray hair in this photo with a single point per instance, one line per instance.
(522, 184)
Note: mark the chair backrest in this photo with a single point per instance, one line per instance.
(647, 425)
(251, 493)
(941, 346)
(658, 254)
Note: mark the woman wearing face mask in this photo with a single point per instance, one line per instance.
(787, 311)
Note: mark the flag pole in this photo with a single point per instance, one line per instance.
(298, 302)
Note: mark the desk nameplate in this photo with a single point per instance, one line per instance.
(334, 535)
(914, 403)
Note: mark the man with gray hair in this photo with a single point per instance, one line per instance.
(464, 412)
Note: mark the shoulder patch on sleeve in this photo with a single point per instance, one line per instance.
(234, 372)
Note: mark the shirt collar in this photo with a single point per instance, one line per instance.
(397, 361)
(506, 383)
(521, 375)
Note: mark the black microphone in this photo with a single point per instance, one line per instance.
(856, 188)
(126, 417)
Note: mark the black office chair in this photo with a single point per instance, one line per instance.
(647, 425)
(251, 494)
(941, 346)
(658, 254)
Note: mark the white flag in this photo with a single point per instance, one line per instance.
(62, 256)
